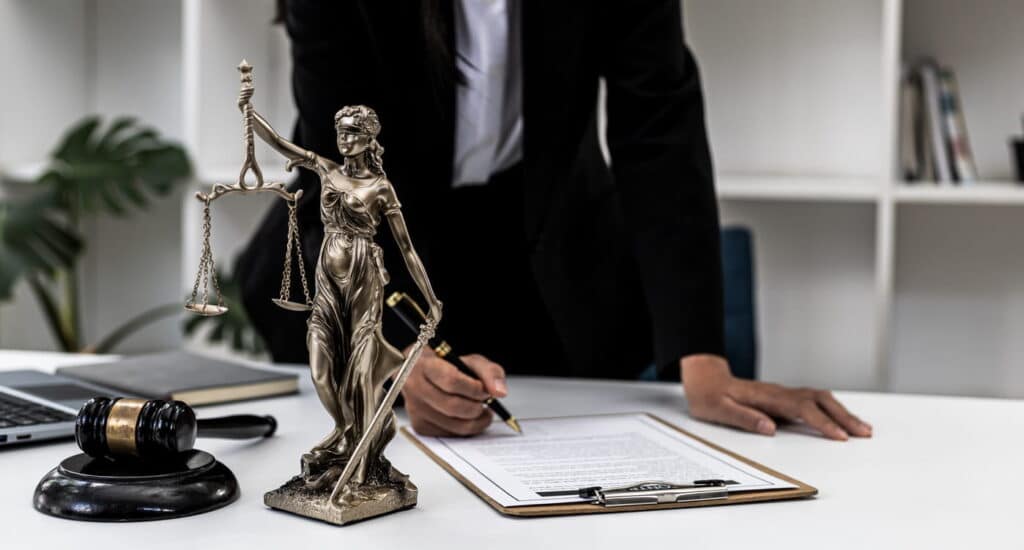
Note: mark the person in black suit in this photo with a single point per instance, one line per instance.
(548, 260)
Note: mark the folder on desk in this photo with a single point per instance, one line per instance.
(602, 464)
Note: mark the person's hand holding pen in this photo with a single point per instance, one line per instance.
(441, 401)
(446, 393)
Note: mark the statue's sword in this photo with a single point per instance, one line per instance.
(377, 422)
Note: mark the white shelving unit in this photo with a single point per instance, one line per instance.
(804, 189)
(863, 282)
(982, 192)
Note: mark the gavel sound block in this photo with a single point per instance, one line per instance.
(138, 463)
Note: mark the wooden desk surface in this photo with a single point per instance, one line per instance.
(940, 472)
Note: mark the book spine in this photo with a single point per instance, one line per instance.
(933, 111)
(956, 125)
(923, 135)
(910, 158)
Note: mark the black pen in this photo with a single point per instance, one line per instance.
(412, 315)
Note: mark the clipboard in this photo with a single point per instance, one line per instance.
(801, 491)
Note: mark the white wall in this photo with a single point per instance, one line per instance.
(144, 248)
(41, 99)
(960, 301)
(814, 291)
(35, 108)
(132, 263)
(792, 87)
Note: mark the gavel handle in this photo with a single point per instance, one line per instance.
(239, 426)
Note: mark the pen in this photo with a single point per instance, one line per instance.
(412, 316)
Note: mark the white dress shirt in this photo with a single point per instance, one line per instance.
(489, 106)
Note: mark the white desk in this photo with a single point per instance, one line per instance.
(930, 478)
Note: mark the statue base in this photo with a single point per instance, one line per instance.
(296, 497)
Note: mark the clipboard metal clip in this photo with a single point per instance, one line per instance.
(657, 492)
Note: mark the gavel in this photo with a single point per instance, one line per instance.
(155, 429)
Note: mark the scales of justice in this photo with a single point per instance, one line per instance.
(345, 477)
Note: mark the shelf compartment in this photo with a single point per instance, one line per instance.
(982, 192)
(804, 189)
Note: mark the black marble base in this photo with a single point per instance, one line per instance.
(100, 489)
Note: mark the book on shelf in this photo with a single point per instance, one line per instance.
(933, 112)
(915, 152)
(962, 159)
(933, 132)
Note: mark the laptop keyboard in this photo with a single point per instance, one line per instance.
(15, 411)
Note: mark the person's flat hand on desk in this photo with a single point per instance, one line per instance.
(714, 394)
(441, 401)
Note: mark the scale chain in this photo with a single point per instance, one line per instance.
(293, 243)
(210, 267)
(298, 252)
(207, 269)
(286, 277)
(205, 261)
(201, 276)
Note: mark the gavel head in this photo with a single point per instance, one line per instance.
(122, 427)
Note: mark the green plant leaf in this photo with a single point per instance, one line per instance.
(92, 170)
(34, 240)
(120, 123)
(116, 169)
(72, 148)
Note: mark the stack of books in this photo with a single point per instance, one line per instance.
(933, 133)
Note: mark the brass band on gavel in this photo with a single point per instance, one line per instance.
(135, 427)
(156, 429)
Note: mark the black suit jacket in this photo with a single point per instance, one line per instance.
(626, 257)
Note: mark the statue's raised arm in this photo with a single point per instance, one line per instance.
(205, 303)
(297, 156)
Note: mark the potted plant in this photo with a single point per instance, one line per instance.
(94, 170)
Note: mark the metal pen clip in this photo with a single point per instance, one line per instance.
(657, 492)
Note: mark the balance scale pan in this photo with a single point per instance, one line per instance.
(206, 310)
(291, 306)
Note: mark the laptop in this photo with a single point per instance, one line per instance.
(36, 406)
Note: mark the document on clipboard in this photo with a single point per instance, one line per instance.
(595, 463)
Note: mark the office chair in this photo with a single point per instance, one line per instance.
(740, 321)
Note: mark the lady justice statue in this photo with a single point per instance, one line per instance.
(345, 477)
